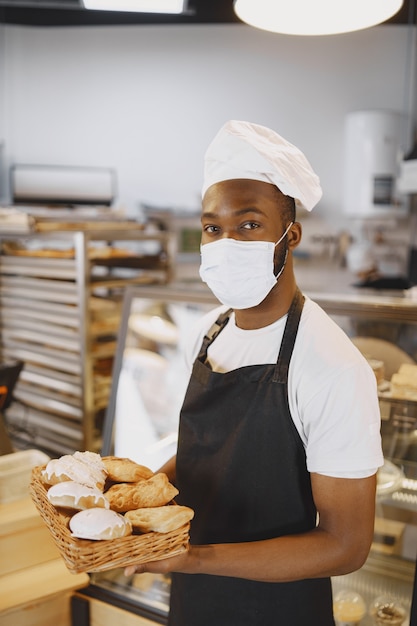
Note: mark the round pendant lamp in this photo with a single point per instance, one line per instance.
(315, 17)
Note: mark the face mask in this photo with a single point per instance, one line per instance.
(240, 273)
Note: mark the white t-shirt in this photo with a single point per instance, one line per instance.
(331, 387)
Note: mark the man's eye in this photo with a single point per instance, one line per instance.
(210, 228)
(250, 225)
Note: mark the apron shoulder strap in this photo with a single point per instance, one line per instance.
(288, 339)
(212, 333)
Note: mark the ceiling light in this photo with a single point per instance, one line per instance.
(315, 17)
(137, 6)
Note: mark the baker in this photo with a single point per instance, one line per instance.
(279, 436)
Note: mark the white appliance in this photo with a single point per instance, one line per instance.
(407, 182)
(373, 149)
(54, 184)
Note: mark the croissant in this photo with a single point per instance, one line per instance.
(156, 491)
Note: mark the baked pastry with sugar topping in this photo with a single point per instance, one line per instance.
(80, 469)
(92, 459)
(99, 524)
(73, 495)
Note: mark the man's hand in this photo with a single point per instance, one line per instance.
(338, 545)
(178, 563)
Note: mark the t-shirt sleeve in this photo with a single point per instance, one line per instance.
(342, 424)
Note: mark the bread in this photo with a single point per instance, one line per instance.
(99, 524)
(123, 470)
(85, 468)
(404, 382)
(156, 491)
(160, 519)
(78, 486)
(410, 370)
(73, 495)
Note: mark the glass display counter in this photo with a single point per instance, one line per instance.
(148, 376)
(384, 328)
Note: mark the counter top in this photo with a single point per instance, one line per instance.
(331, 286)
(317, 275)
(334, 287)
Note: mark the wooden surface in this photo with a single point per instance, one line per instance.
(35, 584)
(24, 538)
(54, 611)
(38, 583)
(18, 516)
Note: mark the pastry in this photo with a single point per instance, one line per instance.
(404, 382)
(73, 495)
(83, 468)
(99, 524)
(349, 608)
(156, 491)
(160, 519)
(408, 369)
(92, 459)
(388, 615)
(122, 470)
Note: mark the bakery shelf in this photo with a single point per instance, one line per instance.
(61, 269)
(56, 313)
(61, 288)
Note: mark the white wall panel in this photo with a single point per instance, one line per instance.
(147, 99)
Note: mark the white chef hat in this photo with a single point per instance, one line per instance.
(245, 150)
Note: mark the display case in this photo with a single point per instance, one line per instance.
(61, 291)
(384, 328)
(148, 385)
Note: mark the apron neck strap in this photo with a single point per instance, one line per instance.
(288, 339)
(212, 333)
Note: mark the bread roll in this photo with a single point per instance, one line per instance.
(156, 491)
(160, 519)
(409, 369)
(73, 495)
(404, 382)
(99, 524)
(80, 469)
(122, 470)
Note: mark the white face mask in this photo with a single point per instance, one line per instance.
(240, 273)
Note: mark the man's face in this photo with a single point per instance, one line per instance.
(247, 210)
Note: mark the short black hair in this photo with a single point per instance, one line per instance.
(286, 206)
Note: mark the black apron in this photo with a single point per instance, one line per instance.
(241, 466)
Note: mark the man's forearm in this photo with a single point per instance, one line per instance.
(311, 555)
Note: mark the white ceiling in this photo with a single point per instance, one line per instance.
(70, 12)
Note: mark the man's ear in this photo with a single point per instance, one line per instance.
(295, 235)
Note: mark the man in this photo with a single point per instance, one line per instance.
(279, 438)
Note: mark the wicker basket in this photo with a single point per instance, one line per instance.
(83, 555)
